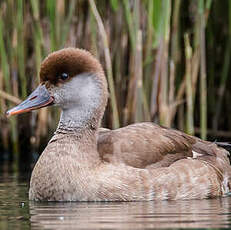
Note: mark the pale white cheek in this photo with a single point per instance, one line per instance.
(59, 96)
(58, 93)
(81, 90)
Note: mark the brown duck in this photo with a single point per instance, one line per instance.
(140, 162)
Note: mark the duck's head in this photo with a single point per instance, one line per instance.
(72, 79)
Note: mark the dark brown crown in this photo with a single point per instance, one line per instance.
(72, 61)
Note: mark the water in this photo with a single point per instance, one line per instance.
(16, 212)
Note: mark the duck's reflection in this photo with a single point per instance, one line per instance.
(132, 215)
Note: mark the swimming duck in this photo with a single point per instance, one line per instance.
(140, 162)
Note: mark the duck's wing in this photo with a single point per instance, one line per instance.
(143, 144)
(147, 145)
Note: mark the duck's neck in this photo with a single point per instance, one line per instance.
(78, 134)
(77, 120)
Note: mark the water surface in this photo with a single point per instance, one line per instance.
(16, 212)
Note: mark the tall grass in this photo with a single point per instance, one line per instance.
(165, 60)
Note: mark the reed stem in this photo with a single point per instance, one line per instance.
(189, 93)
(203, 76)
(103, 34)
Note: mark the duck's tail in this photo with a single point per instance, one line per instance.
(223, 164)
(225, 145)
(217, 156)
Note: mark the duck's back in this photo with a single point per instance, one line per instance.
(144, 144)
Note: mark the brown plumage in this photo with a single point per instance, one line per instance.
(68, 61)
(143, 161)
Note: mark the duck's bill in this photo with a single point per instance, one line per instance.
(39, 98)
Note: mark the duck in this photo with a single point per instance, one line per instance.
(139, 162)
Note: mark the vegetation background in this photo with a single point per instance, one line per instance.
(166, 61)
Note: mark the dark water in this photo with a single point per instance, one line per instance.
(16, 212)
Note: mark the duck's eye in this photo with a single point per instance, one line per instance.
(64, 76)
